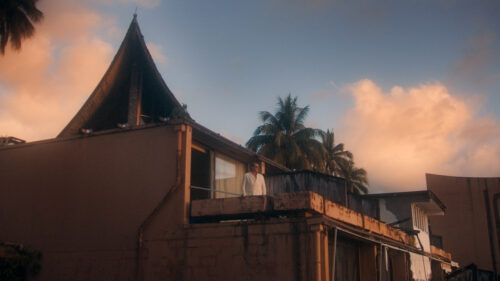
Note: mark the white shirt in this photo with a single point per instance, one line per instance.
(253, 185)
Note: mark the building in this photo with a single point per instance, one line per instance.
(411, 211)
(133, 189)
(470, 228)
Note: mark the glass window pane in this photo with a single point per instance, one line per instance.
(228, 176)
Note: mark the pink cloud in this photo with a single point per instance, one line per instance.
(45, 83)
(400, 135)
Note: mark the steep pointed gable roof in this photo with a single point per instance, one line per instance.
(131, 85)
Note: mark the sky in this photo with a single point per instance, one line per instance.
(410, 87)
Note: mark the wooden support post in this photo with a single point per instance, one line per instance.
(135, 97)
(367, 262)
(437, 271)
(184, 145)
(400, 270)
(187, 140)
(263, 167)
(213, 182)
(380, 262)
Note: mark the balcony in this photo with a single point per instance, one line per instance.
(328, 187)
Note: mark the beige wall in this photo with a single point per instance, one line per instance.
(464, 227)
(80, 201)
(277, 249)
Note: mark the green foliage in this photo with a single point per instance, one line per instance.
(334, 153)
(356, 178)
(284, 138)
(17, 263)
(340, 162)
(16, 21)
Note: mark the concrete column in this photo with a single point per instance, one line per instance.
(319, 264)
(325, 257)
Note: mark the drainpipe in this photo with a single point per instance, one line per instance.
(148, 220)
(490, 231)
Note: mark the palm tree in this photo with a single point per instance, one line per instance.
(16, 22)
(356, 178)
(284, 138)
(334, 153)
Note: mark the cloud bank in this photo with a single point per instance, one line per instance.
(44, 85)
(401, 135)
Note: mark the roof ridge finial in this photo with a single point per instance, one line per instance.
(135, 13)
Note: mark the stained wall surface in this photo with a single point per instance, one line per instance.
(240, 250)
(81, 201)
(464, 227)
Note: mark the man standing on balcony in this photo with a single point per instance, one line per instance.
(253, 182)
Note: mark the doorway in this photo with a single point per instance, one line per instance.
(200, 173)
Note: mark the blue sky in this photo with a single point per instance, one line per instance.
(239, 56)
(361, 66)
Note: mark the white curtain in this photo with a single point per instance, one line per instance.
(228, 176)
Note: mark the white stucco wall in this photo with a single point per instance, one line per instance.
(421, 265)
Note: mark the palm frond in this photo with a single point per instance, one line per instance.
(16, 22)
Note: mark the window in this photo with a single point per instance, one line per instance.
(419, 218)
(228, 176)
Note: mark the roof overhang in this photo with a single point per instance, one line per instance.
(424, 199)
(211, 139)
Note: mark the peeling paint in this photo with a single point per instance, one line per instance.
(420, 267)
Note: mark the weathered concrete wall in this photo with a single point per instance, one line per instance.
(464, 227)
(80, 201)
(276, 249)
(397, 209)
(307, 201)
(420, 267)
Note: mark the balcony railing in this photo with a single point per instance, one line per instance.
(215, 190)
(329, 187)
